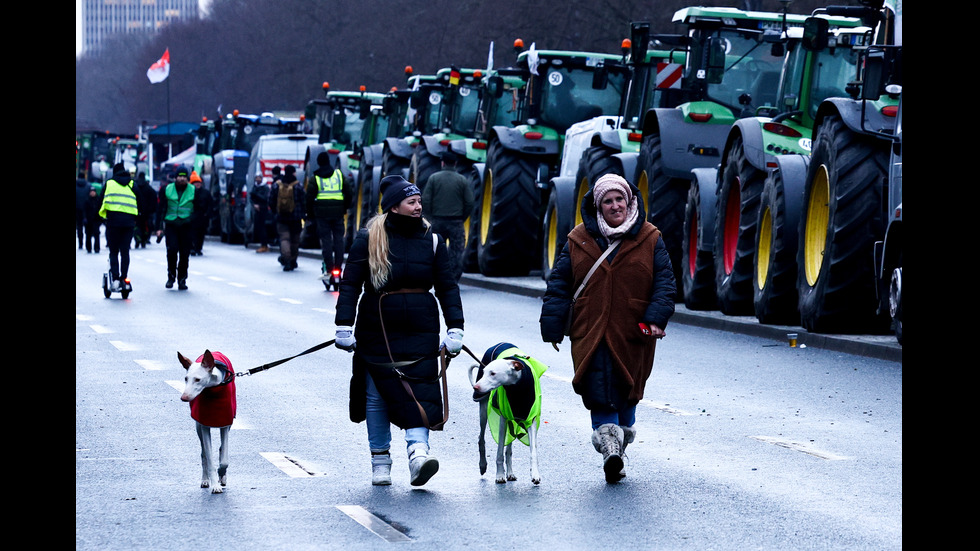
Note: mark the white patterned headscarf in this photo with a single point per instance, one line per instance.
(605, 184)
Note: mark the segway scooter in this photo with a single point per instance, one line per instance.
(124, 287)
(331, 278)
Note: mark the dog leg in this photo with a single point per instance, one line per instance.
(502, 477)
(532, 438)
(223, 453)
(209, 478)
(483, 431)
(508, 459)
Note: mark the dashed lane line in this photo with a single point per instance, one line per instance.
(800, 447)
(377, 526)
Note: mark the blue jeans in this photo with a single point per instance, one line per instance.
(378, 426)
(624, 417)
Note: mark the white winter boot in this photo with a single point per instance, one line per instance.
(381, 469)
(420, 464)
(629, 435)
(608, 440)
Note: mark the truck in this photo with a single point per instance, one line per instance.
(237, 134)
(729, 70)
(563, 87)
(778, 134)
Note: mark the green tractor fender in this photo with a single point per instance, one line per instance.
(433, 144)
(371, 155)
(399, 147)
(753, 142)
(514, 139)
(850, 112)
(687, 146)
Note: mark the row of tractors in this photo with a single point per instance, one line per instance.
(766, 147)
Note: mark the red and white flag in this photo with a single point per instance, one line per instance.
(159, 71)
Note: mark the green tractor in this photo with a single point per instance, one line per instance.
(730, 69)
(607, 144)
(851, 200)
(563, 87)
(425, 96)
(723, 276)
(451, 116)
(499, 93)
(346, 122)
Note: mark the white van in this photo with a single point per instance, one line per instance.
(271, 151)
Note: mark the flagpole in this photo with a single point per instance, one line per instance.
(170, 145)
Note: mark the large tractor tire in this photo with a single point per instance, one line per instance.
(596, 161)
(697, 265)
(665, 200)
(843, 217)
(774, 293)
(508, 215)
(424, 164)
(559, 219)
(470, 260)
(393, 164)
(736, 218)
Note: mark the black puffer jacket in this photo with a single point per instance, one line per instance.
(411, 319)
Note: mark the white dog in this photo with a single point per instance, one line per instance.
(509, 393)
(210, 388)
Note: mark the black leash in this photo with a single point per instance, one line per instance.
(284, 360)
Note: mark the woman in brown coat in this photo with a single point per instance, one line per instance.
(619, 315)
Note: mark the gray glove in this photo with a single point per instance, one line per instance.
(345, 338)
(453, 342)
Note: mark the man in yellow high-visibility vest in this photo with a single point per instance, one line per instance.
(120, 206)
(329, 196)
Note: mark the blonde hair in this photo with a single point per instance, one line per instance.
(378, 262)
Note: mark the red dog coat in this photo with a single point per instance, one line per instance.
(216, 406)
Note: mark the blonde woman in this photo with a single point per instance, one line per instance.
(387, 315)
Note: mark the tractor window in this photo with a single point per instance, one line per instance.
(353, 124)
(835, 68)
(791, 82)
(567, 96)
(465, 109)
(750, 68)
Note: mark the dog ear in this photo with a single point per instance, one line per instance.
(208, 361)
(517, 365)
(183, 361)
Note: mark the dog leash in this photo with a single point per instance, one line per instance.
(255, 370)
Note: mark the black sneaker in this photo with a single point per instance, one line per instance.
(182, 285)
(170, 283)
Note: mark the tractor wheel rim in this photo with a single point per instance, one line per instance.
(486, 205)
(692, 246)
(730, 237)
(817, 220)
(765, 248)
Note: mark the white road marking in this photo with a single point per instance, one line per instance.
(101, 329)
(83, 317)
(291, 300)
(288, 465)
(216, 278)
(664, 408)
(239, 285)
(800, 447)
(150, 365)
(379, 527)
(261, 292)
(124, 346)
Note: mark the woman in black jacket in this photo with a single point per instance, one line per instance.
(385, 305)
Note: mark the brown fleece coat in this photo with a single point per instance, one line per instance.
(611, 305)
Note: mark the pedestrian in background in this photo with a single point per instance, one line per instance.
(260, 209)
(448, 202)
(93, 222)
(119, 206)
(619, 315)
(82, 188)
(201, 215)
(385, 305)
(178, 200)
(144, 219)
(289, 201)
(329, 195)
